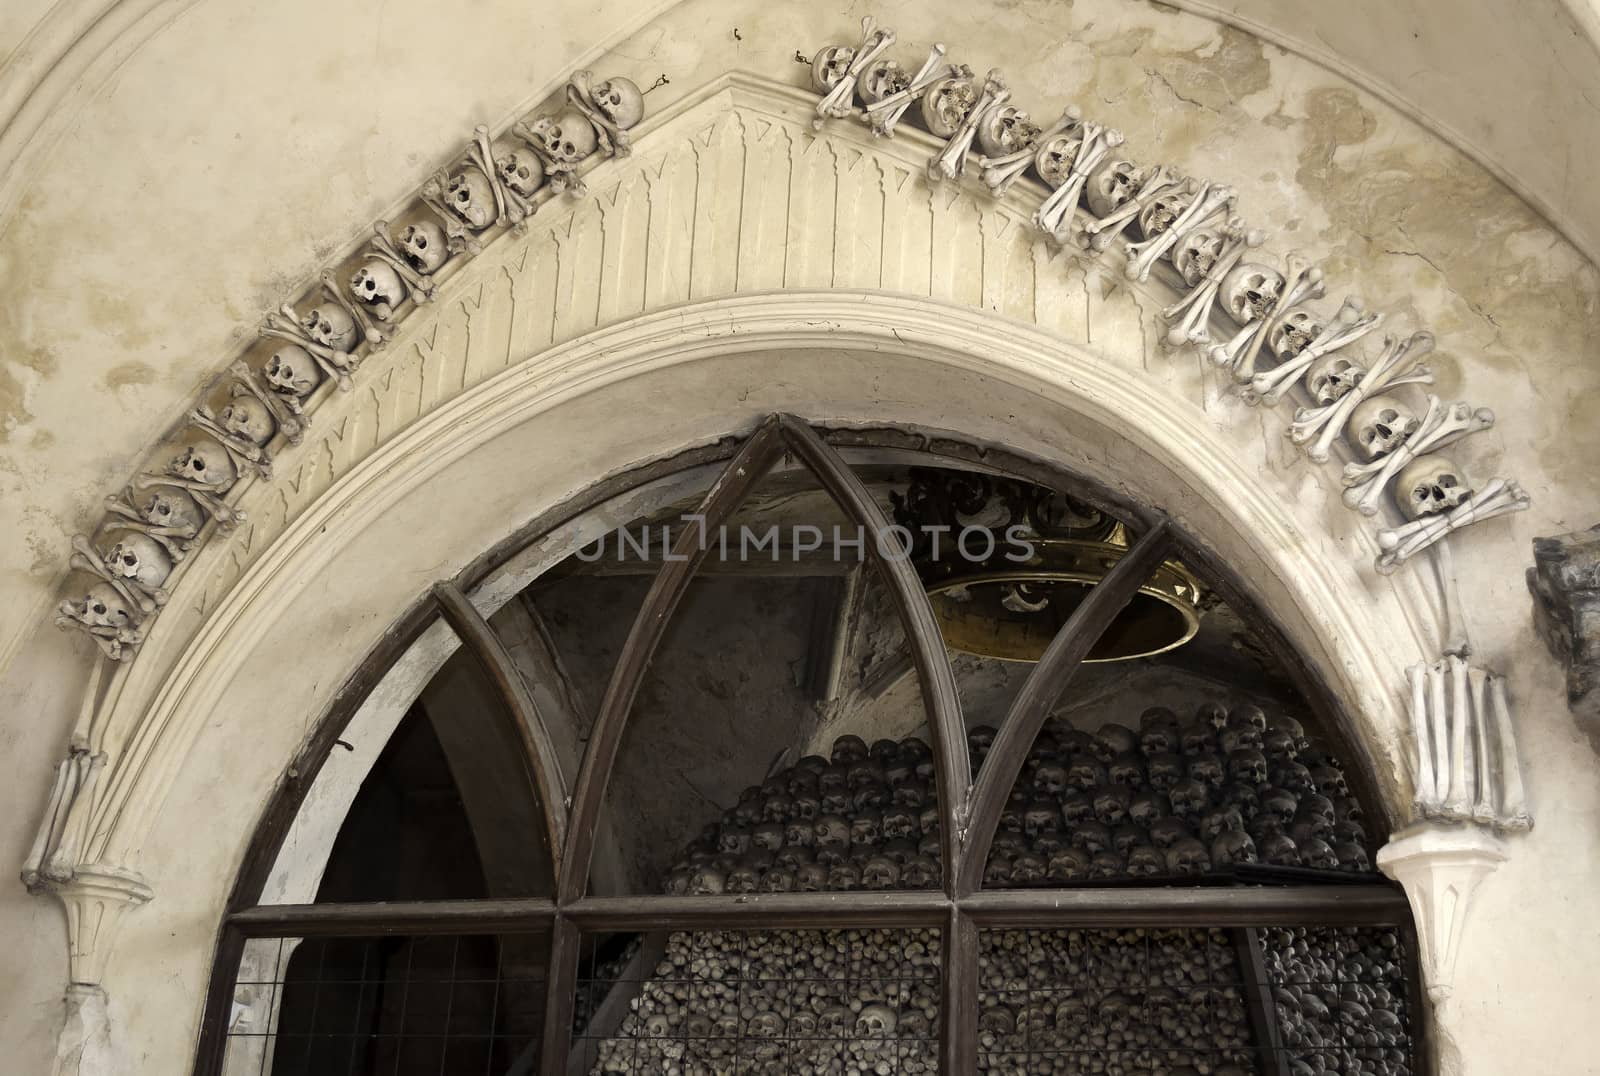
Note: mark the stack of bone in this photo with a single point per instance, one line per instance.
(1112, 1002)
(783, 1002)
(1176, 799)
(1341, 1000)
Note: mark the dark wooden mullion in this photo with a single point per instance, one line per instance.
(378, 918)
(1043, 689)
(531, 732)
(561, 985)
(729, 491)
(764, 911)
(1260, 1004)
(1203, 906)
(943, 703)
(959, 986)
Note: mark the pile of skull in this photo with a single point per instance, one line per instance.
(1341, 999)
(1112, 1002)
(162, 516)
(1176, 798)
(804, 1001)
(1095, 193)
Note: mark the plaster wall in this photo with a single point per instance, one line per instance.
(158, 237)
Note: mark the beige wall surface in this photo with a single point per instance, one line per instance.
(238, 150)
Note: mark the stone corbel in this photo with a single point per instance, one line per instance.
(95, 898)
(1440, 866)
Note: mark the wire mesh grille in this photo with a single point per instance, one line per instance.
(1341, 998)
(792, 1001)
(389, 1006)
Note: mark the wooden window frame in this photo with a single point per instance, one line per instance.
(970, 808)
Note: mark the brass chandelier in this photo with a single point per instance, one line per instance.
(1005, 563)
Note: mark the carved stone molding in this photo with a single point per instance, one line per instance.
(1565, 583)
(1440, 867)
(95, 899)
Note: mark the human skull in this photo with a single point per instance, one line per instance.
(1165, 770)
(1315, 852)
(1247, 766)
(248, 419)
(566, 138)
(102, 607)
(844, 876)
(1279, 745)
(1330, 781)
(1332, 376)
(1050, 778)
(423, 246)
(793, 856)
(707, 881)
(291, 371)
(1056, 155)
(880, 872)
(1294, 778)
(1188, 797)
(470, 196)
(1207, 769)
(1107, 864)
(1316, 813)
(1294, 333)
(1279, 849)
(767, 835)
(1110, 185)
(1166, 832)
(742, 879)
(1112, 739)
(734, 840)
(1040, 816)
(1126, 835)
(899, 822)
(848, 750)
(1067, 865)
(1091, 836)
(205, 462)
(1352, 857)
(1188, 857)
(882, 78)
(866, 829)
(1380, 425)
(1027, 868)
(1158, 216)
(1112, 802)
(619, 100)
(1220, 820)
(1148, 806)
(330, 325)
(1126, 769)
(829, 65)
(1429, 485)
(1233, 846)
(1005, 130)
(947, 103)
(377, 285)
(171, 508)
(1076, 806)
(1085, 773)
(1250, 291)
(1196, 253)
(139, 558)
(811, 878)
(1146, 861)
(920, 872)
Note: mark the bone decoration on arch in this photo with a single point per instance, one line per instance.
(1244, 310)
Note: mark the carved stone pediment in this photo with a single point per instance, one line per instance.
(1565, 582)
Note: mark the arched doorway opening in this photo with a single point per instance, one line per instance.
(1108, 909)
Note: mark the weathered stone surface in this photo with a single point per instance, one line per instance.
(1565, 581)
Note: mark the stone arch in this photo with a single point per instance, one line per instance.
(738, 263)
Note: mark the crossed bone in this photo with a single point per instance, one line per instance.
(883, 116)
(1192, 311)
(1397, 365)
(208, 495)
(1399, 544)
(1239, 354)
(835, 104)
(951, 161)
(1208, 201)
(1350, 324)
(177, 541)
(142, 600)
(1054, 215)
(1440, 426)
(1101, 233)
(1000, 172)
(286, 410)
